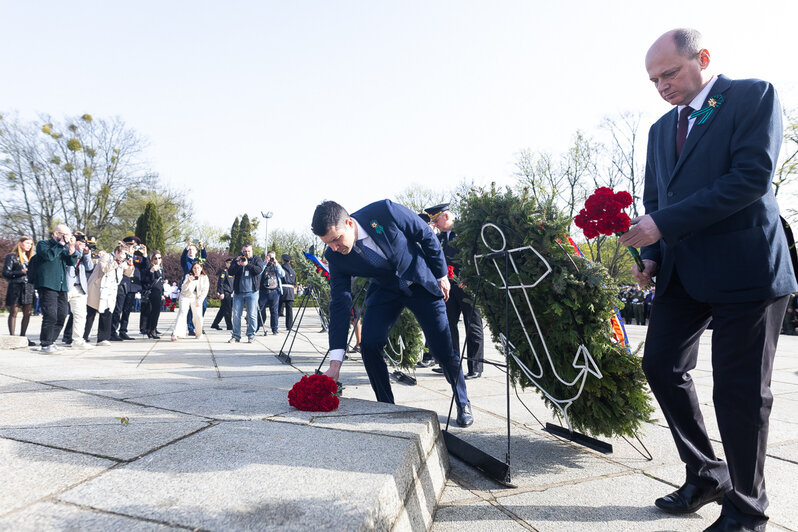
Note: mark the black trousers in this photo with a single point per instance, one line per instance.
(225, 312)
(154, 304)
(744, 342)
(55, 306)
(383, 311)
(269, 299)
(289, 313)
(121, 315)
(460, 302)
(104, 327)
(144, 315)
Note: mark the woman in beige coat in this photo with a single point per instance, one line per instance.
(192, 294)
(102, 288)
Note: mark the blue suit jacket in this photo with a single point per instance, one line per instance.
(715, 205)
(409, 245)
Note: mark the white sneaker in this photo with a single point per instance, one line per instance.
(50, 349)
(80, 344)
(103, 343)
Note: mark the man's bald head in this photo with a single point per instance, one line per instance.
(677, 65)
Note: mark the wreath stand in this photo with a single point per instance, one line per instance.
(492, 467)
(307, 294)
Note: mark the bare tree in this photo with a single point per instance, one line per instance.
(623, 153)
(77, 172)
(418, 197)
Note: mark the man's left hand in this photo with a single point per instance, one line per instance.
(643, 232)
(444, 286)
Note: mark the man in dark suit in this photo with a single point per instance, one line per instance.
(459, 301)
(399, 253)
(712, 237)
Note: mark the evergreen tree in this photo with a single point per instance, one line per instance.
(149, 228)
(235, 241)
(245, 235)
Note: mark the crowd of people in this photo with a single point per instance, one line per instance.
(75, 284)
(636, 307)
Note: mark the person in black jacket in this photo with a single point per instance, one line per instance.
(224, 290)
(459, 302)
(246, 270)
(20, 291)
(128, 287)
(288, 295)
(152, 295)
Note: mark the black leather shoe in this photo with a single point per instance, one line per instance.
(115, 338)
(425, 363)
(124, 336)
(464, 417)
(192, 333)
(216, 327)
(437, 370)
(153, 336)
(727, 524)
(689, 498)
(474, 375)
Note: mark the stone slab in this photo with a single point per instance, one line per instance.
(279, 473)
(88, 424)
(618, 503)
(477, 515)
(31, 472)
(59, 516)
(13, 342)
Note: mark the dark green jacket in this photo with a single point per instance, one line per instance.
(53, 261)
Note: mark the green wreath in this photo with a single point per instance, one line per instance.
(572, 304)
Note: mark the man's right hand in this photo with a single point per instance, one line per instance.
(334, 370)
(649, 270)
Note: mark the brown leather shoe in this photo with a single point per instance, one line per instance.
(689, 498)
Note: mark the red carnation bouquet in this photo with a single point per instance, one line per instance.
(603, 215)
(314, 393)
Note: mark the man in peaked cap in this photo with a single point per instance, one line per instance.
(460, 302)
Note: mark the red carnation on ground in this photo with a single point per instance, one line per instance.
(314, 393)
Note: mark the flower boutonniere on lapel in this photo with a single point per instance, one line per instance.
(377, 227)
(703, 114)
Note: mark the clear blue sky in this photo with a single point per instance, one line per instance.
(267, 105)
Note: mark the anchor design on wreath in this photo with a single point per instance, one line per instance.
(518, 295)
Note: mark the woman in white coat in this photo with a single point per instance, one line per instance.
(102, 288)
(192, 294)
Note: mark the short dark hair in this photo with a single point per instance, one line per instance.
(688, 41)
(328, 214)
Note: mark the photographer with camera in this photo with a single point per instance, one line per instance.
(53, 257)
(77, 279)
(288, 293)
(103, 287)
(246, 270)
(193, 252)
(224, 291)
(270, 290)
(128, 287)
(152, 296)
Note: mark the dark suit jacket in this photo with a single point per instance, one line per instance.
(409, 245)
(715, 205)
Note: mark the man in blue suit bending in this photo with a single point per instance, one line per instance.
(713, 238)
(399, 253)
